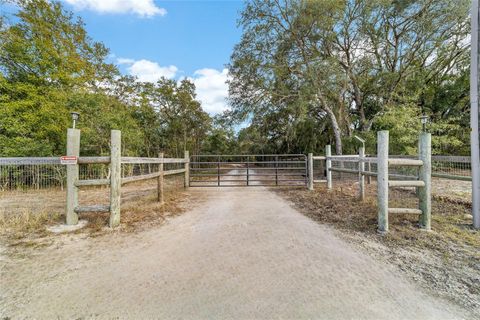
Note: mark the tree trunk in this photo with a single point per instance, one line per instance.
(337, 131)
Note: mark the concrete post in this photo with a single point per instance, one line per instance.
(328, 162)
(425, 174)
(361, 177)
(73, 149)
(160, 197)
(187, 169)
(310, 171)
(115, 177)
(382, 180)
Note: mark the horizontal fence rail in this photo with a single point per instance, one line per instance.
(248, 170)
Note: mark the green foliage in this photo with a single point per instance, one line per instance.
(50, 67)
(350, 67)
(404, 126)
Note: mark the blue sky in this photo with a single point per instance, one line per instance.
(176, 39)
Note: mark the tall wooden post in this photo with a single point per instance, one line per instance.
(115, 177)
(73, 149)
(160, 197)
(187, 169)
(382, 180)
(425, 174)
(310, 171)
(361, 176)
(328, 161)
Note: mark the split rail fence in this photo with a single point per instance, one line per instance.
(419, 177)
(111, 172)
(115, 182)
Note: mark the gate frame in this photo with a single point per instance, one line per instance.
(247, 183)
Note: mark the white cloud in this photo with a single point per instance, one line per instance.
(212, 89)
(142, 8)
(125, 61)
(148, 71)
(211, 84)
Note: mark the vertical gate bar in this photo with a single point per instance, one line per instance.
(218, 171)
(186, 182)
(369, 168)
(276, 170)
(248, 171)
(305, 165)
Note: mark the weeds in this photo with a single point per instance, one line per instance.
(139, 207)
(26, 222)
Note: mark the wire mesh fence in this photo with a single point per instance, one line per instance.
(451, 176)
(37, 185)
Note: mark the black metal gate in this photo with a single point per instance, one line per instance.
(248, 170)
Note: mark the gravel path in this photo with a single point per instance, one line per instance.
(239, 253)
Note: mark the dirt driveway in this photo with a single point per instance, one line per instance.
(239, 253)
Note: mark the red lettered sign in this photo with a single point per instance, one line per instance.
(68, 160)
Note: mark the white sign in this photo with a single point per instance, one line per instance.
(68, 160)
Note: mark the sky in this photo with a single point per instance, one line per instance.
(176, 39)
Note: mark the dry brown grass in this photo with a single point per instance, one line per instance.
(139, 209)
(446, 260)
(26, 222)
(450, 220)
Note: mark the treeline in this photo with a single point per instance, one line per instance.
(49, 67)
(309, 73)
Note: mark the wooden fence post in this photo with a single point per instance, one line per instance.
(382, 180)
(328, 161)
(115, 177)
(160, 197)
(310, 171)
(73, 149)
(425, 174)
(361, 177)
(187, 169)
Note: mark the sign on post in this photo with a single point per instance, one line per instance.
(68, 160)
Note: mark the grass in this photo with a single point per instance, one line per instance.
(451, 221)
(139, 208)
(19, 225)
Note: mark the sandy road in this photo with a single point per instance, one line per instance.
(239, 253)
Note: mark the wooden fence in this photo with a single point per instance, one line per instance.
(115, 181)
(422, 181)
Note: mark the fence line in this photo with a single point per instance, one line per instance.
(115, 180)
(108, 171)
(418, 175)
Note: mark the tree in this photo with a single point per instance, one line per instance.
(44, 57)
(49, 67)
(346, 63)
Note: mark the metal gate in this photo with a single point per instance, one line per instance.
(248, 170)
